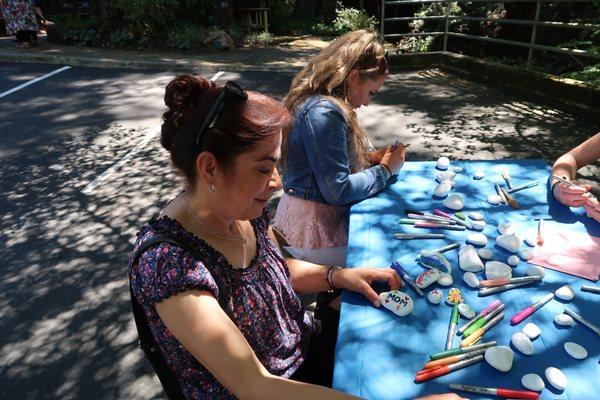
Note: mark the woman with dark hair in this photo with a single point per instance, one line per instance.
(20, 20)
(226, 317)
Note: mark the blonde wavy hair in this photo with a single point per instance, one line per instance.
(326, 74)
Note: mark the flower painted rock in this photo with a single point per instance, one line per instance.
(398, 302)
(427, 278)
(454, 297)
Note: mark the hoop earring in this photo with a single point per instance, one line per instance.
(212, 187)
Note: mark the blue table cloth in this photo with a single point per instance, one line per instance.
(378, 353)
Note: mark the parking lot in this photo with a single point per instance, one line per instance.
(81, 168)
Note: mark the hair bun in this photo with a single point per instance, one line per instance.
(184, 92)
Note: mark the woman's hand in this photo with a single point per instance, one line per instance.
(376, 156)
(360, 279)
(394, 159)
(571, 196)
(592, 208)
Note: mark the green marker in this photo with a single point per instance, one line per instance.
(482, 321)
(452, 327)
(459, 350)
(407, 221)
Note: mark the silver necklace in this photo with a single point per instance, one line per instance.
(202, 224)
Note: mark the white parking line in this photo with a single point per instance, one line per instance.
(31, 82)
(145, 140)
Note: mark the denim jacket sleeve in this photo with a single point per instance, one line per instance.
(326, 144)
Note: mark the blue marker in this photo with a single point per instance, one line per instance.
(398, 268)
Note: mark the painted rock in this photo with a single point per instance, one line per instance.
(533, 382)
(507, 229)
(493, 199)
(445, 176)
(531, 330)
(500, 358)
(485, 253)
(466, 311)
(460, 215)
(575, 350)
(522, 343)
(565, 293)
(468, 260)
(434, 259)
(478, 175)
(443, 163)
(497, 270)
(476, 216)
(556, 378)
(535, 270)
(454, 297)
(427, 278)
(457, 170)
(564, 320)
(478, 225)
(398, 302)
(454, 202)
(510, 243)
(445, 279)
(513, 261)
(478, 239)
(435, 296)
(526, 254)
(471, 279)
(442, 189)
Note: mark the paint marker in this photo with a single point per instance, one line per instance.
(429, 218)
(458, 350)
(447, 248)
(527, 311)
(501, 282)
(432, 225)
(526, 186)
(409, 211)
(591, 289)
(583, 321)
(506, 178)
(452, 359)
(452, 327)
(503, 288)
(475, 336)
(540, 235)
(398, 268)
(499, 392)
(446, 369)
(500, 194)
(453, 218)
(410, 236)
(482, 321)
(491, 307)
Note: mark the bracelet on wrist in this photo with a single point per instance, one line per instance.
(388, 169)
(330, 272)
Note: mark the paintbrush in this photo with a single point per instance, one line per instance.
(500, 194)
(506, 178)
(514, 204)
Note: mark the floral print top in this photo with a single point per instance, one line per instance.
(18, 15)
(263, 304)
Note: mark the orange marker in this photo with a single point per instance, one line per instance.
(453, 359)
(446, 369)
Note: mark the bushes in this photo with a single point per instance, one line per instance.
(351, 19)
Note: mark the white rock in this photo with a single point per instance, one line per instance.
(531, 330)
(435, 296)
(485, 253)
(530, 241)
(575, 350)
(497, 270)
(564, 320)
(445, 176)
(427, 278)
(556, 378)
(478, 225)
(493, 199)
(478, 239)
(443, 163)
(466, 311)
(565, 293)
(454, 202)
(445, 279)
(468, 260)
(442, 189)
(476, 216)
(471, 279)
(526, 254)
(533, 382)
(478, 175)
(507, 229)
(522, 343)
(510, 243)
(499, 357)
(435, 259)
(396, 301)
(535, 270)
(513, 261)
(458, 170)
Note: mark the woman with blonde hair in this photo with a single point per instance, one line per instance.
(326, 164)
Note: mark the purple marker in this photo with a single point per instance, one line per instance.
(491, 307)
(398, 268)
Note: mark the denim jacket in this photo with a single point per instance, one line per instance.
(317, 165)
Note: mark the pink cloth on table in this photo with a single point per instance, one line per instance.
(570, 252)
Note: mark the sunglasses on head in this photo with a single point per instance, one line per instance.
(231, 92)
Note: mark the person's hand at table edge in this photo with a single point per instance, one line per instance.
(571, 196)
(360, 279)
(592, 209)
(444, 396)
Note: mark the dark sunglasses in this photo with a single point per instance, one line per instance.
(230, 92)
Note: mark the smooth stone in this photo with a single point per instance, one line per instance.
(564, 320)
(497, 270)
(443, 163)
(445, 279)
(535, 270)
(522, 343)
(466, 311)
(454, 297)
(471, 279)
(530, 241)
(476, 216)
(478, 175)
(556, 378)
(434, 259)
(442, 189)
(500, 358)
(396, 301)
(531, 330)
(478, 225)
(427, 278)
(468, 260)
(575, 350)
(533, 382)
(509, 243)
(485, 253)
(493, 199)
(513, 261)
(478, 239)
(565, 293)
(457, 170)
(445, 176)
(526, 254)
(435, 296)
(454, 202)
(507, 229)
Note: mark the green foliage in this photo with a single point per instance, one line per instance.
(590, 75)
(185, 38)
(351, 19)
(259, 39)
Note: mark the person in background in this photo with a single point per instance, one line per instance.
(20, 21)
(326, 164)
(42, 21)
(566, 167)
